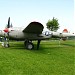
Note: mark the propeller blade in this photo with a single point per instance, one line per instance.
(8, 26)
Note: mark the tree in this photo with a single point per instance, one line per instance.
(53, 24)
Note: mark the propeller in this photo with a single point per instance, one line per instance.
(6, 30)
(8, 26)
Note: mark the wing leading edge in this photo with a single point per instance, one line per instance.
(34, 27)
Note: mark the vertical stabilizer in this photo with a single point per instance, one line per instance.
(65, 31)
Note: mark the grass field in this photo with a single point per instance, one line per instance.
(51, 59)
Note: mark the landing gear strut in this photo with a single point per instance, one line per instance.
(5, 42)
(38, 44)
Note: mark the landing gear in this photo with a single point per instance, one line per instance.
(29, 45)
(6, 45)
(5, 42)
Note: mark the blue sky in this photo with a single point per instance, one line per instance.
(22, 12)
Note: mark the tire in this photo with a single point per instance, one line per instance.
(29, 46)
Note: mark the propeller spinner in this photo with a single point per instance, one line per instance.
(6, 30)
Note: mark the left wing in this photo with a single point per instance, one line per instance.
(34, 27)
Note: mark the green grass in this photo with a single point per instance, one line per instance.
(51, 59)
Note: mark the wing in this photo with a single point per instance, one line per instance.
(34, 27)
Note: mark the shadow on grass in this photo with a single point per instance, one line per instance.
(45, 47)
(72, 45)
(17, 46)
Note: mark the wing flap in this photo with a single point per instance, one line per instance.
(34, 27)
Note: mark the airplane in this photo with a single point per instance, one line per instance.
(34, 31)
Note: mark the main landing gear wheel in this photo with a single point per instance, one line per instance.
(29, 45)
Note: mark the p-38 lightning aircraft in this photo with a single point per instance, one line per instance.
(34, 31)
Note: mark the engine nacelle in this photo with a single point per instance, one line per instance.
(47, 33)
